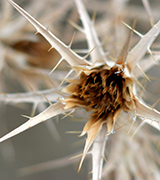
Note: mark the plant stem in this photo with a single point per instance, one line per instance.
(98, 153)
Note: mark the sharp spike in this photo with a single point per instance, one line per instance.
(139, 50)
(46, 99)
(51, 111)
(90, 32)
(68, 114)
(50, 49)
(59, 93)
(145, 111)
(130, 127)
(28, 117)
(136, 32)
(66, 77)
(118, 128)
(135, 132)
(118, 45)
(70, 44)
(34, 109)
(140, 84)
(122, 59)
(76, 26)
(94, 16)
(89, 52)
(148, 9)
(36, 33)
(92, 134)
(150, 52)
(153, 105)
(56, 65)
(76, 156)
(143, 72)
(3, 93)
(73, 132)
(29, 85)
(105, 159)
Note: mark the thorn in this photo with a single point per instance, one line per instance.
(65, 78)
(118, 128)
(111, 57)
(89, 52)
(59, 93)
(33, 109)
(122, 59)
(153, 105)
(30, 86)
(90, 172)
(78, 143)
(76, 156)
(143, 72)
(67, 54)
(50, 49)
(79, 119)
(3, 93)
(118, 45)
(143, 90)
(150, 52)
(46, 99)
(106, 40)
(48, 79)
(57, 119)
(117, 124)
(73, 132)
(25, 116)
(68, 114)
(76, 26)
(37, 33)
(148, 9)
(136, 32)
(56, 65)
(105, 159)
(94, 16)
(140, 84)
(70, 44)
(137, 129)
(130, 127)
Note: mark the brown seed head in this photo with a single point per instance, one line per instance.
(103, 90)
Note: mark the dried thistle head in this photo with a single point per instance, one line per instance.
(103, 90)
(107, 90)
(37, 54)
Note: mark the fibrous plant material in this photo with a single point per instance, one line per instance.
(104, 87)
(105, 91)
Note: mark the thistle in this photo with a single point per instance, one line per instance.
(103, 87)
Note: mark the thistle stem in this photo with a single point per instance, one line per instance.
(98, 153)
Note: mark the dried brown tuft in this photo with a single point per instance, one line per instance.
(37, 53)
(103, 90)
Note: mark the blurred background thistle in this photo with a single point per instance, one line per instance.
(24, 67)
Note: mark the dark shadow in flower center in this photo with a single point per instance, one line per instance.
(101, 91)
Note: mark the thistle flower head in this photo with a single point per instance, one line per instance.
(103, 90)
